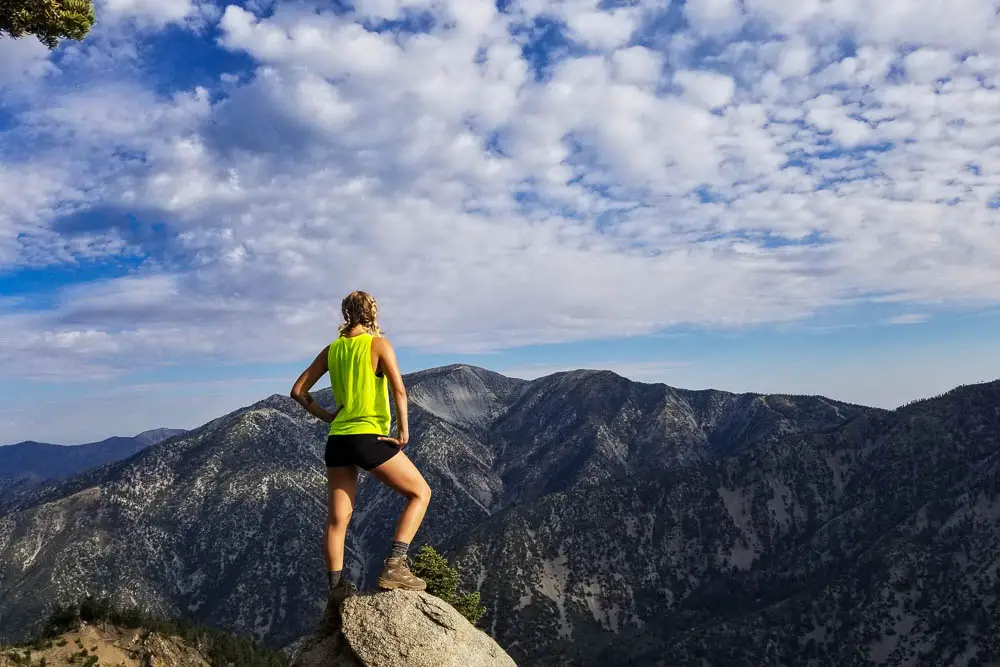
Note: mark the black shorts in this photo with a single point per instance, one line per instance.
(363, 450)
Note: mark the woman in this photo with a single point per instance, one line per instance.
(360, 362)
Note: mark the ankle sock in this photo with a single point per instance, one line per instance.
(334, 577)
(399, 549)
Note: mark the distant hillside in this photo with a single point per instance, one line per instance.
(30, 463)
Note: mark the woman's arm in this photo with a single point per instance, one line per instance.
(387, 363)
(309, 377)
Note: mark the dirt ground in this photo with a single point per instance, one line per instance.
(90, 646)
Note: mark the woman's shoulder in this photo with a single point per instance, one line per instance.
(381, 344)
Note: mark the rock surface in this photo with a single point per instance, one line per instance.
(402, 629)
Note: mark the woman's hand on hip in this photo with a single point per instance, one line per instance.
(400, 442)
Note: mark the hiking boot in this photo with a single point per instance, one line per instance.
(331, 617)
(396, 574)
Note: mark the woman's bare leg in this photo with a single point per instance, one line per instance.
(342, 484)
(400, 475)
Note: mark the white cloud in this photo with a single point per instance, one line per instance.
(386, 9)
(788, 14)
(489, 209)
(320, 43)
(714, 16)
(953, 24)
(604, 30)
(706, 88)
(20, 59)
(909, 318)
(153, 12)
(828, 115)
(638, 65)
(796, 59)
(928, 65)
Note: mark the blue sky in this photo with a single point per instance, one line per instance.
(770, 195)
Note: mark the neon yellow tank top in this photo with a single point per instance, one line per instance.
(362, 396)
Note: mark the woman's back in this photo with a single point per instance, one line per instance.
(362, 396)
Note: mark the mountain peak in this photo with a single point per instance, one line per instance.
(463, 394)
(155, 435)
(593, 373)
(452, 369)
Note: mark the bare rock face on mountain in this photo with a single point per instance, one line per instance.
(401, 629)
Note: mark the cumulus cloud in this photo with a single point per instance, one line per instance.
(796, 59)
(714, 16)
(152, 13)
(927, 65)
(498, 185)
(22, 59)
(909, 318)
(638, 65)
(707, 89)
(604, 30)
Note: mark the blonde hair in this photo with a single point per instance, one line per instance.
(359, 308)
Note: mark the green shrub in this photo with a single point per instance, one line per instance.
(469, 606)
(442, 581)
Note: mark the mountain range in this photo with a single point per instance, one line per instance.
(604, 521)
(30, 463)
